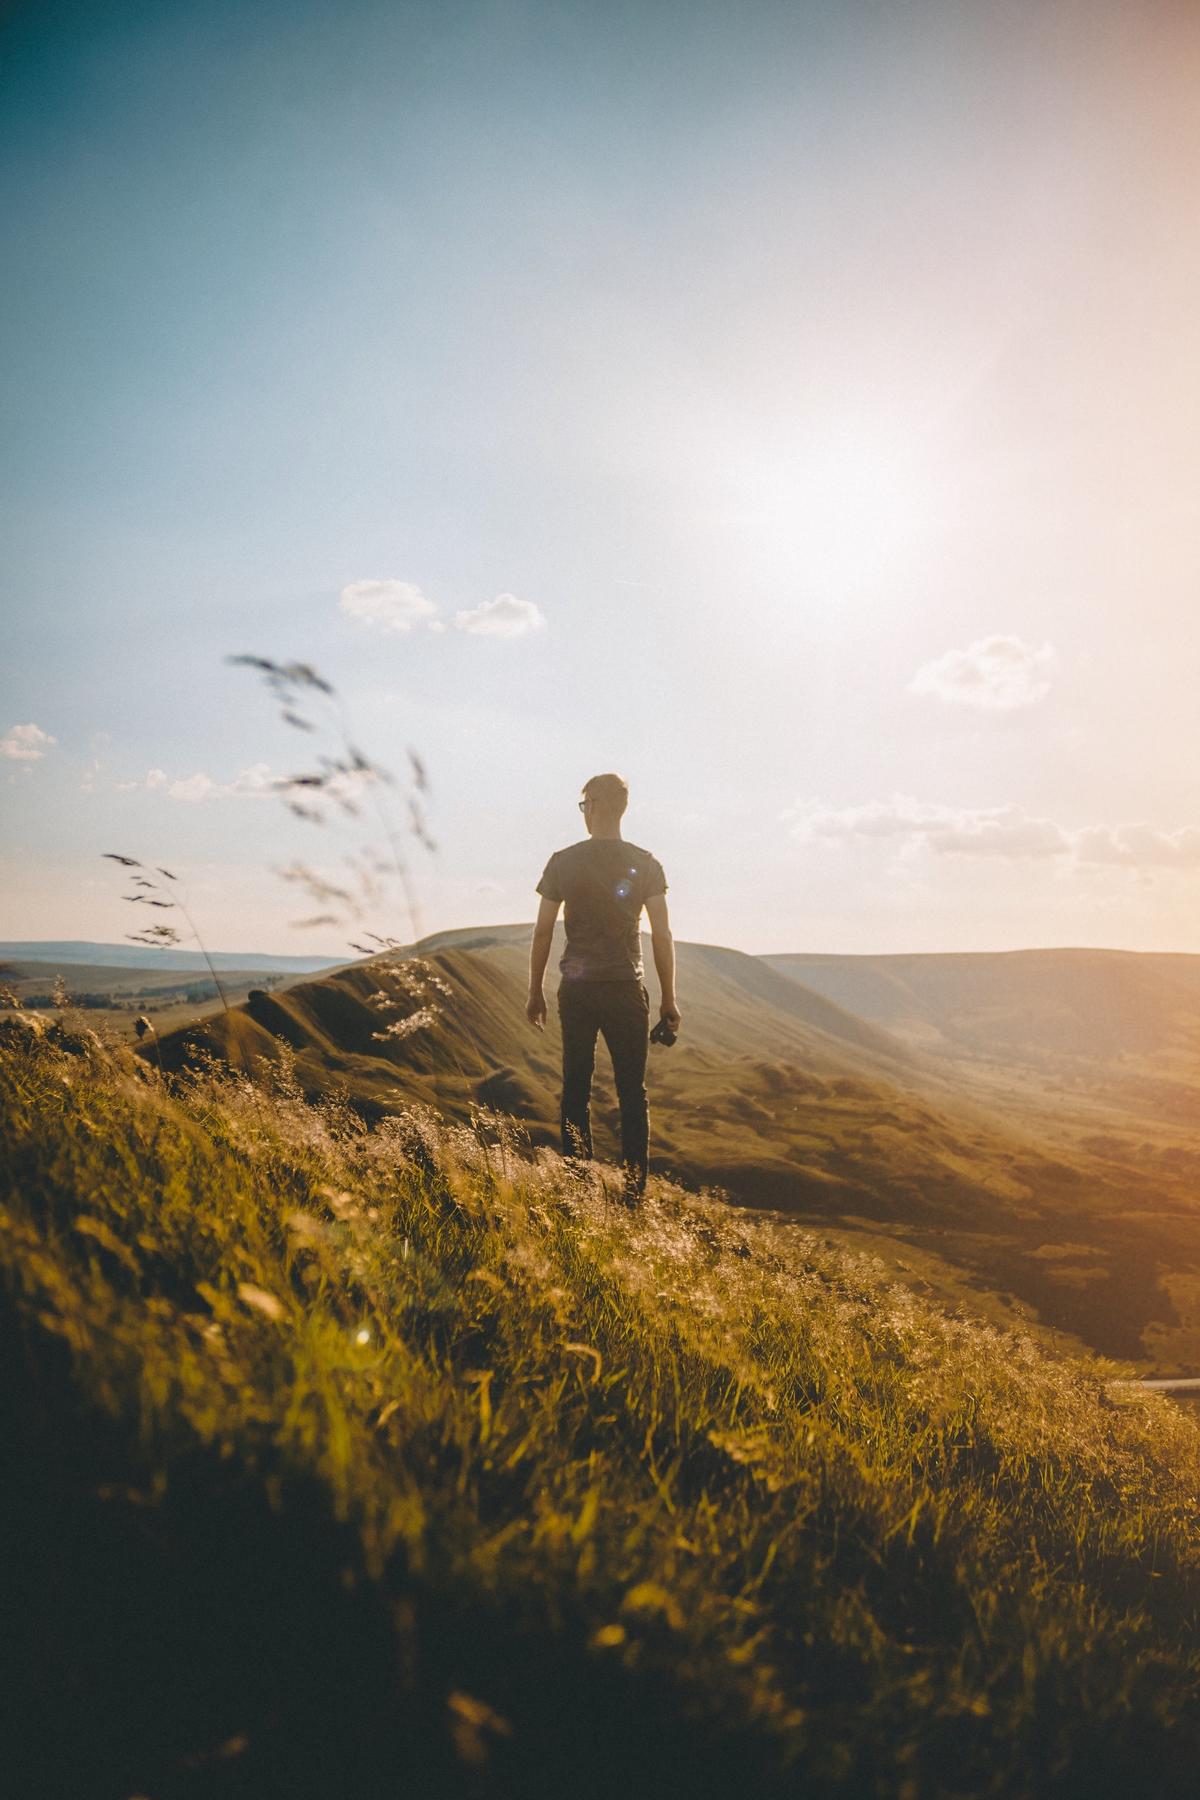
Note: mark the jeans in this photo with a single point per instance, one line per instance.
(621, 1011)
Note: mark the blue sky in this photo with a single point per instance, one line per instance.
(819, 383)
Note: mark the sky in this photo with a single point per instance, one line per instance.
(791, 407)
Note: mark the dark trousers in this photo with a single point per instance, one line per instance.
(621, 1011)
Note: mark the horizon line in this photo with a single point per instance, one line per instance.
(11, 947)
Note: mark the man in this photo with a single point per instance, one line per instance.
(604, 882)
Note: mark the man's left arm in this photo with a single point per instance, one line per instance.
(539, 955)
(663, 946)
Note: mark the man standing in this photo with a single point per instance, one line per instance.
(604, 882)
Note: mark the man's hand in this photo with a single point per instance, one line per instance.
(535, 1009)
(671, 1013)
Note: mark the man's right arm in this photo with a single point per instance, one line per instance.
(539, 955)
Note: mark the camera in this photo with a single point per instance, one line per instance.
(662, 1033)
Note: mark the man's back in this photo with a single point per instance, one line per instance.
(603, 883)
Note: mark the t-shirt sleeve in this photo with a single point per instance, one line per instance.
(656, 881)
(549, 886)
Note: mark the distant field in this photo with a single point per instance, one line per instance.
(65, 951)
(113, 997)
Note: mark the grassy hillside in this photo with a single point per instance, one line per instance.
(1027, 1205)
(395, 1461)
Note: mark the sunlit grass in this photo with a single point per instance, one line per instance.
(568, 1499)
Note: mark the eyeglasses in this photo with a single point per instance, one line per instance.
(583, 806)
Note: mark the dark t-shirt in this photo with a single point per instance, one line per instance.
(604, 884)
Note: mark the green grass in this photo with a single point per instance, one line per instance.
(396, 1462)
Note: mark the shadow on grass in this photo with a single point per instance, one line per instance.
(213, 1637)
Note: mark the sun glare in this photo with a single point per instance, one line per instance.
(844, 509)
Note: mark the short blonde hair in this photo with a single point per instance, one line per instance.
(608, 793)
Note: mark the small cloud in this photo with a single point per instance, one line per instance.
(195, 787)
(26, 743)
(391, 605)
(948, 830)
(1140, 846)
(259, 778)
(996, 831)
(504, 617)
(255, 782)
(996, 674)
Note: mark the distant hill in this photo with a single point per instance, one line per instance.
(1094, 1004)
(992, 1195)
(141, 956)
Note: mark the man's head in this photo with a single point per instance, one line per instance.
(605, 798)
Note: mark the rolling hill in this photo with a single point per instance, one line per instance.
(1096, 1006)
(984, 1190)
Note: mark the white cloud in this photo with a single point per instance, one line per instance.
(26, 743)
(1140, 846)
(505, 617)
(995, 674)
(983, 831)
(392, 605)
(193, 788)
(259, 778)
(1001, 831)
(400, 605)
(254, 782)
